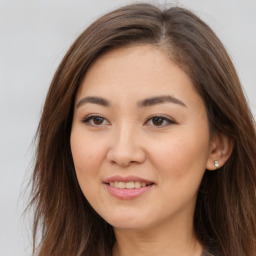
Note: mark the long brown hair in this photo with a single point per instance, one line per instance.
(225, 214)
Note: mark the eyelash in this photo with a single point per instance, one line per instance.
(91, 118)
(88, 119)
(168, 120)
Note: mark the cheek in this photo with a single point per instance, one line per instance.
(184, 154)
(87, 157)
(87, 165)
(85, 150)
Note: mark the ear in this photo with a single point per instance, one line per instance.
(220, 150)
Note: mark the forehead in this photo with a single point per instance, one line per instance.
(134, 71)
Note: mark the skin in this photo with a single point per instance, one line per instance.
(125, 141)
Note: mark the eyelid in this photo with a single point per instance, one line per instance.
(86, 120)
(90, 117)
(168, 119)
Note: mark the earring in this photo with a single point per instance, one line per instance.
(216, 163)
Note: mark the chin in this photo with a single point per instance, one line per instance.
(128, 222)
(129, 226)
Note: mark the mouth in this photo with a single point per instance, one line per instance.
(127, 187)
(129, 182)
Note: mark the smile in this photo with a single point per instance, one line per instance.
(128, 185)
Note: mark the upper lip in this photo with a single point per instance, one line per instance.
(118, 178)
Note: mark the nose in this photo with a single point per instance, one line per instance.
(126, 148)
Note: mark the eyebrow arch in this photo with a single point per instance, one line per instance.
(94, 100)
(160, 99)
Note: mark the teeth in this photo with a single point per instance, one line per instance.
(137, 184)
(130, 184)
(121, 184)
(127, 185)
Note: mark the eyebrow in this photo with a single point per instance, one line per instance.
(94, 100)
(144, 103)
(160, 99)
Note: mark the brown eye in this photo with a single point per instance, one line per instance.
(157, 121)
(160, 121)
(95, 120)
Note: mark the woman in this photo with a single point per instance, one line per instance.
(146, 144)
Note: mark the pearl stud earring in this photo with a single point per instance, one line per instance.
(216, 163)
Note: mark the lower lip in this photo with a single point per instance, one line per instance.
(124, 193)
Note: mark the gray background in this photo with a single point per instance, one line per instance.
(34, 36)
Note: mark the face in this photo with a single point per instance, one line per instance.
(140, 139)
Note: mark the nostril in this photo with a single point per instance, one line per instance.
(125, 154)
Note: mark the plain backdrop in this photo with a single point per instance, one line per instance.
(34, 36)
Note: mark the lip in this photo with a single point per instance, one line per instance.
(126, 194)
(127, 179)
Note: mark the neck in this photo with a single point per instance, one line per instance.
(176, 239)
